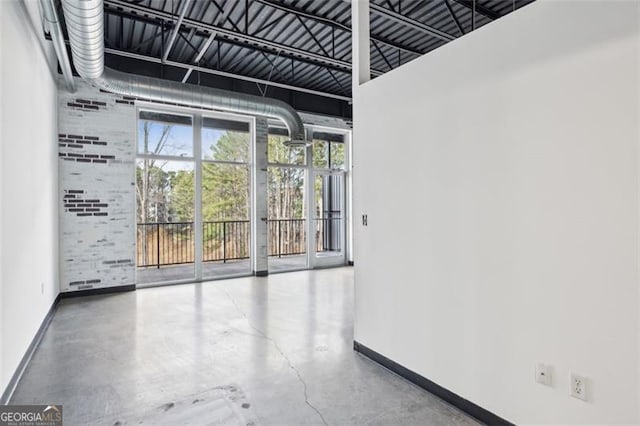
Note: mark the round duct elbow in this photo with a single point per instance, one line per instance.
(85, 26)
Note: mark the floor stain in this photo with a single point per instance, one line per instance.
(168, 406)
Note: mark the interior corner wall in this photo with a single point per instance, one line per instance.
(29, 179)
(2, 382)
(499, 174)
(96, 149)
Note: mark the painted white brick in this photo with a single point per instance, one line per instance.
(97, 235)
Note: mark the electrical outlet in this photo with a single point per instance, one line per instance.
(41, 288)
(365, 220)
(578, 386)
(543, 374)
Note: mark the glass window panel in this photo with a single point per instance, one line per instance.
(224, 140)
(165, 213)
(165, 134)
(279, 153)
(164, 190)
(320, 154)
(328, 210)
(225, 192)
(287, 217)
(226, 230)
(285, 190)
(336, 155)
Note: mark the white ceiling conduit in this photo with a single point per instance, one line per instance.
(85, 26)
(52, 25)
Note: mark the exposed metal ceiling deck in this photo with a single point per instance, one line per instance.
(298, 45)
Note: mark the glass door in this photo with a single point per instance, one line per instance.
(328, 219)
(328, 199)
(287, 212)
(165, 196)
(226, 196)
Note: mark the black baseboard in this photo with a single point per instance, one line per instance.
(468, 407)
(262, 273)
(94, 291)
(17, 375)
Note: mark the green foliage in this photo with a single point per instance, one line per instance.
(169, 195)
(151, 204)
(225, 187)
(182, 195)
(328, 154)
(278, 153)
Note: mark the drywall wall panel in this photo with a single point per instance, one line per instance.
(500, 179)
(29, 231)
(2, 383)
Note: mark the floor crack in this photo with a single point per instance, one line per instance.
(277, 347)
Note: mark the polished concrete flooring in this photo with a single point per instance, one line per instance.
(216, 270)
(247, 351)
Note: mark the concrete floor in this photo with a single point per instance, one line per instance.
(247, 351)
(216, 270)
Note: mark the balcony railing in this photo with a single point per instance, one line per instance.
(164, 243)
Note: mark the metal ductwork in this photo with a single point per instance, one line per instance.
(85, 22)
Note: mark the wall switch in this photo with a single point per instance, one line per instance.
(578, 386)
(543, 374)
(41, 288)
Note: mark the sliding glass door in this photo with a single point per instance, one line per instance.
(193, 196)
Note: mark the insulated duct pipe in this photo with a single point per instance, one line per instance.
(52, 24)
(85, 21)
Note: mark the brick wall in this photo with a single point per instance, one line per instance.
(96, 149)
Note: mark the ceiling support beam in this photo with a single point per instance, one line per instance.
(269, 24)
(473, 15)
(312, 35)
(360, 42)
(196, 61)
(412, 23)
(222, 73)
(330, 22)
(224, 16)
(382, 55)
(481, 10)
(251, 41)
(176, 29)
(453, 16)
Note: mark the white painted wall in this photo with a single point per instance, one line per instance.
(2, 383)
(500, 178)
(29, 179)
